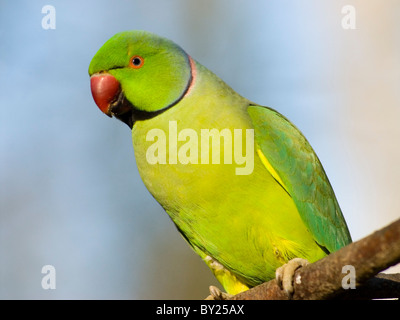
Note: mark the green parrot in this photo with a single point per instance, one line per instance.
(256, 199)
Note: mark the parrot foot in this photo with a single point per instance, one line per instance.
(216, 294)
(284, 274)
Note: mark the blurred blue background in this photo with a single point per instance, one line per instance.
(70, 193)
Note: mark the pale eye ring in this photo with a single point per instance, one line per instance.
(136, 62)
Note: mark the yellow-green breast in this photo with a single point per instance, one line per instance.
(248, 223)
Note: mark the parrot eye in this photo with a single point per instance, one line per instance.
(136, 62)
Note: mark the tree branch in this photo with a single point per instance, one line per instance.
(323, 279)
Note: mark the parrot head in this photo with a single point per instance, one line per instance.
(137, 74)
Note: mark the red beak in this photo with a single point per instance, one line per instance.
(105, 89)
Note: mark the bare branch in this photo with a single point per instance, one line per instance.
(323, 279)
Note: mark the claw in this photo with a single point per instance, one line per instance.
(216, 294)
(284, 274)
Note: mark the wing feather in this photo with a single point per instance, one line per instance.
(303, 177)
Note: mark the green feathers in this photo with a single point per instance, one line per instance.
(298, 166)
(243, 226)
(161, 80)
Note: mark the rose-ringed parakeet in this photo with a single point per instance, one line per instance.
(244, 224)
